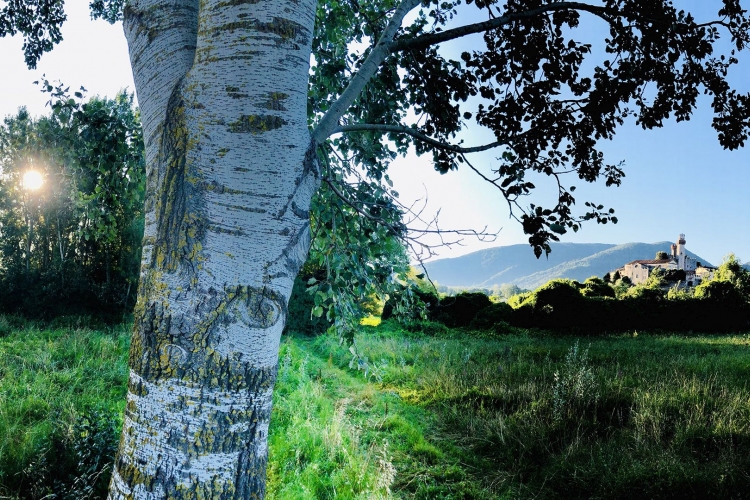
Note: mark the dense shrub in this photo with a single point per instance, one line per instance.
(487, 317)
(597, 287)
(77, 464)
(301, 304)
(428, 298)
(561, 306)
(557, 304)
(516, 300)
(645, 293)
(458, 311)
(719, 291)
(427, 328)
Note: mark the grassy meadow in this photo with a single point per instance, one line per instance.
(424, 414)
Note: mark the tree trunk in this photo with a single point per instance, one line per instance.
(61, 249)
(28, 243)
(222, 87)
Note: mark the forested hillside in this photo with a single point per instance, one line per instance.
(517, 265)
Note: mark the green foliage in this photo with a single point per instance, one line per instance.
(300, 317)
(575, 388)
(491, 315)
(516, 301)
(621, 287)
(460, 310)
(356, 260)
(73, 245)
(644, 292)
(661, 255)
(569, 307)
(38, 21)
(721, 291)
(62, 394)
(401, 304)
(732, 271)
(597, 287)
(505, 291)
(556, 303)
(452, 417)
(677, 292)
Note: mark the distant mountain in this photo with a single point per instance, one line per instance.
(516, 264)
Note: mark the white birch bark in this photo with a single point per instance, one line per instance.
(222, 87)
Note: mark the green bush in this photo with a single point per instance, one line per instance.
(719, 291)
(428, 298)
(516, 300)
(556, 304)
(597, 287)
(299, 318)
(458, 311)
(77, 462)
(487, 317)
(427, 328)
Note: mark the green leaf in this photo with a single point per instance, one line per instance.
(557, 228)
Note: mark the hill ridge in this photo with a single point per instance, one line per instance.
(516, 264)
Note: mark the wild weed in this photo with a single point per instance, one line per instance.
(575, 386)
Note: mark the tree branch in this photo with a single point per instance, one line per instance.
(371, 65)
(423, 41)
(401, 129)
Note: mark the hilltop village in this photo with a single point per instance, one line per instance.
(638, 271)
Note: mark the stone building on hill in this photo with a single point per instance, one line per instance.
(639, 270)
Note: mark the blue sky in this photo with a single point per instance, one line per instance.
(678, 178)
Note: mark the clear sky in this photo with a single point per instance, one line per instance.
(678, 178)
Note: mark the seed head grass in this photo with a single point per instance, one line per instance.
(450, 414)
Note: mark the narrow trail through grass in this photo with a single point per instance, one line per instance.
(449, 415)
(521, 416)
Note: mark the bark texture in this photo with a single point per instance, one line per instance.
(230, 172)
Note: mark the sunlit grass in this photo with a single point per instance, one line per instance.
(49, 379)
(440, 413)
(665, 417)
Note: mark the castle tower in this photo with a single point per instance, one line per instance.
(681, 252)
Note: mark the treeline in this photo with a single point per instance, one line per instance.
(71, 196)
(596, 306)
(496, 292)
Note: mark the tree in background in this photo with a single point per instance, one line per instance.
(73, 244)
(661, 255)
(597, 287)
(505, 291)
(731, 281)
(238, 129)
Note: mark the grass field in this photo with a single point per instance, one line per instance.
(454, 415)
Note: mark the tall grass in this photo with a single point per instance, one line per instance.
(317, 449)
(651, 416)
(61, 390)
(436, 413)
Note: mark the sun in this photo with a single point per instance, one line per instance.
(32, 180)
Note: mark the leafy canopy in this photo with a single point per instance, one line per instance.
(545, 96)
(73, 244)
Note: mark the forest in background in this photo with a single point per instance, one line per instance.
(71, 246)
